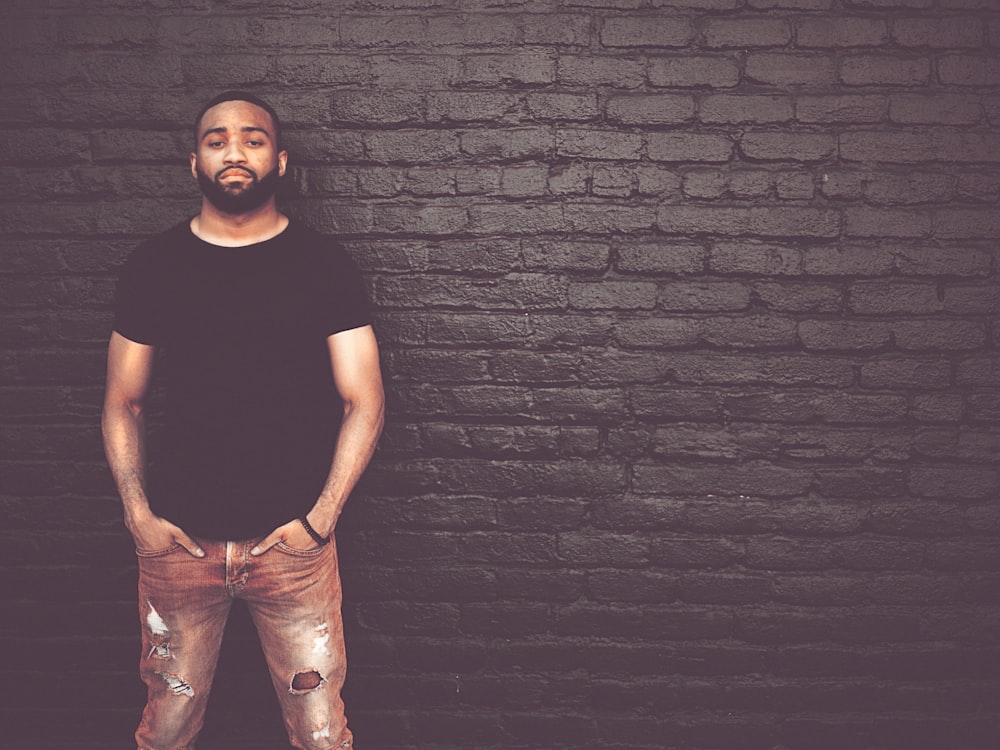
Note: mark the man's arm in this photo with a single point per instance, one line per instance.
(123, 422)
(356, 374)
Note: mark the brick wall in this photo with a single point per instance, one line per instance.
(690, 313)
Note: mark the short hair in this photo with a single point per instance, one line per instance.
(239, 96)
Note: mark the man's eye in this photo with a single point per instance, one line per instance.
(215, 144)
(255, 143)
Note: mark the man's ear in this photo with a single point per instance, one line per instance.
(282, 162)
(194, 165)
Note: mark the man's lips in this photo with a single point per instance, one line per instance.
(236, 172)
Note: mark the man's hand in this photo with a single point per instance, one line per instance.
(293, 534)
(153, 533)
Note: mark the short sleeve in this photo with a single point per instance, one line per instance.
(136, 311)
(343, 302)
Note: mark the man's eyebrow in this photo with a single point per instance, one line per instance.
(244, 129)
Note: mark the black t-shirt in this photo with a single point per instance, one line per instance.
(251, 414)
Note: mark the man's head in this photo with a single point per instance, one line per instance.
(237, 158)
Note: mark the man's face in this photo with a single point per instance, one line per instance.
(236, 163)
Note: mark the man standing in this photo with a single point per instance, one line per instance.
(273, 407)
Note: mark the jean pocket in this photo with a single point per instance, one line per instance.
(295, 552)
(147, 553)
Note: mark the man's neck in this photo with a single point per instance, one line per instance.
(238, 230)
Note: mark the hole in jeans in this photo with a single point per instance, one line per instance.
(309, 680)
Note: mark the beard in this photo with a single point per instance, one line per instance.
(238, 200)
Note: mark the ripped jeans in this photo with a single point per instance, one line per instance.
(294, 598)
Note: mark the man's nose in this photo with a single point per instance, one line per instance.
(234, 153)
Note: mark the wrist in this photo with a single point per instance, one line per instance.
(316, 535)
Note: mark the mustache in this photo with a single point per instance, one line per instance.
(246, 170)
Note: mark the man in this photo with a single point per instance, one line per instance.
(273, 407)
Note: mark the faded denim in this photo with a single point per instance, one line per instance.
(294, 597)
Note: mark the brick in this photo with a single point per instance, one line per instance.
(884, 70)
(460, 106)
(682, 72)
(978, 371)
(620, 295)
(943, 109)
(412, 146)
(853, 108)
(885, 222)
(473, 30)
(767, 222)
(911, 372)
(613, 180)
(966, 223)
(928, 146)
(412, 72)
(975, 299)
(364, 107)
(563, 107)
(516, 143)
(517, 219)
(704, 296)
(757, 478)
(664, 109)
(560, 29)
(526, 67)
(844, 335)
(754, 258)
(689, 147)
(590, 219)
(746, 32)
(923, 335)
(845, 31)
(889, 297)
(660, 257)
(909, 189)
(46, 145)
(598, 144)
(948, 33)
(785, 69)
(646, 31)
(788, 146)
(374, 31)
(798, 4)
(795, 186)
(799, 297)
(746, 108)
(969, 70)
(954, 482)
(590, 70)
(705, 185)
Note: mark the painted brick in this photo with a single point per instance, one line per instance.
(746, 32)
(687, 311)
(784, 69)
(646, 31)
(689, 147)
(786, 146)
(748, 108)
(840, 32)
(884, 70)
(716, 72)
(665, 109)
(969, 70)
(947, 33)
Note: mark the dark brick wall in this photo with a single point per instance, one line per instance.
(690, 316)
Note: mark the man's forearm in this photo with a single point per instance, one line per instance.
(359, 434)
(124, 429)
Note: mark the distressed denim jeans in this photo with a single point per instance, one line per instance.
(294, 598)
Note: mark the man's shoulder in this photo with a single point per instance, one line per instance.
(315, 245)
(165, 239)
(159, 247)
